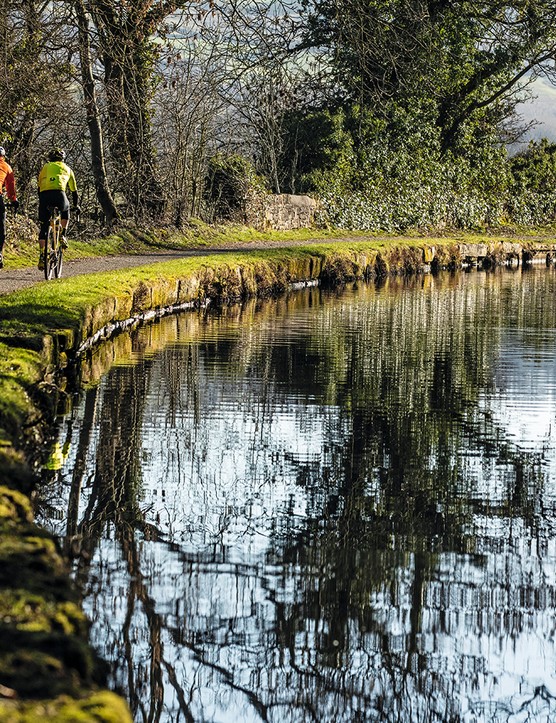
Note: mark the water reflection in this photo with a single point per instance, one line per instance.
(334, 507)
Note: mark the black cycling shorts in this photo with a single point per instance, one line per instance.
(47, 199)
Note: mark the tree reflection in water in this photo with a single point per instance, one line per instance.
(320, 509)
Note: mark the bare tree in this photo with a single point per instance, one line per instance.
(128, 52)
(35, 82)
(259, 75)
(188, 114)
(94, 123)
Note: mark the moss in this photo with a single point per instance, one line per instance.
(14, 467)
(15, 507)
(17, 372)
(37, 663)
(28, 670)
(101, 707)
(32, 561)
(141, 298)
(338, 269)
(34, 613)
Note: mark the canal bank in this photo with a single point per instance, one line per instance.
(44, 652)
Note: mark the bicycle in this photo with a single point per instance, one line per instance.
(53, 251)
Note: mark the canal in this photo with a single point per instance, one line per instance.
(336, 506)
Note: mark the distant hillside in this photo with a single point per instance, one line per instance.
(543, 110)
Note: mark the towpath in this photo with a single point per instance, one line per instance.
(15, 279)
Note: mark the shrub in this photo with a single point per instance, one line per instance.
(230, 185)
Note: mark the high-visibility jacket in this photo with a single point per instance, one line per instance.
(56, 176)
(7, 179)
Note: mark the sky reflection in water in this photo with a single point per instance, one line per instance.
(330, 507)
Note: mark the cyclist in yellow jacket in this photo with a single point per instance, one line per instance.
(54, 178)
(7, 180)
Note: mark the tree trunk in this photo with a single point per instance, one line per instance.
(93, 119)
(128, 55)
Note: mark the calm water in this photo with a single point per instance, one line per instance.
(333, 507)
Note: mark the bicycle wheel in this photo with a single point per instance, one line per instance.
(49, 255)
(59, 261)
(52, 254)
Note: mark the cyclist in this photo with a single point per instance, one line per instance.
(7, 180)
(54, 177)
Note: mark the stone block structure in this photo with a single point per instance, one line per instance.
(282, 212)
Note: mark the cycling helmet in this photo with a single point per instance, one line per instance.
(57, 155)
(2, 151)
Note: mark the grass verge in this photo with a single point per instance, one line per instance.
(21, 248)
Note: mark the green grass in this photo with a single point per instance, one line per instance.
(21, 248)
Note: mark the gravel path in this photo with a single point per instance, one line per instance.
(15, 279)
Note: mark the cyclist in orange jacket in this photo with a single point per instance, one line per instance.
(54, 178)
(7, 180)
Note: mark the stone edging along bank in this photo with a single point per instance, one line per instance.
(222, 282)
(47, 669)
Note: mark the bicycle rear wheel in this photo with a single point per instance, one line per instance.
(53, 258)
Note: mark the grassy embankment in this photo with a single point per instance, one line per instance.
(45, 662)
(22, 250)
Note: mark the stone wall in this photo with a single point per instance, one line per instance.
(282, 212)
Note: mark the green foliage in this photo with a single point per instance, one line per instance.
(423, 92)
(532, 196)
(230, 183)
(380, 175)
(392, 175)
(316, 143)
(529, 208)
(535, 168)
(456, 66)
